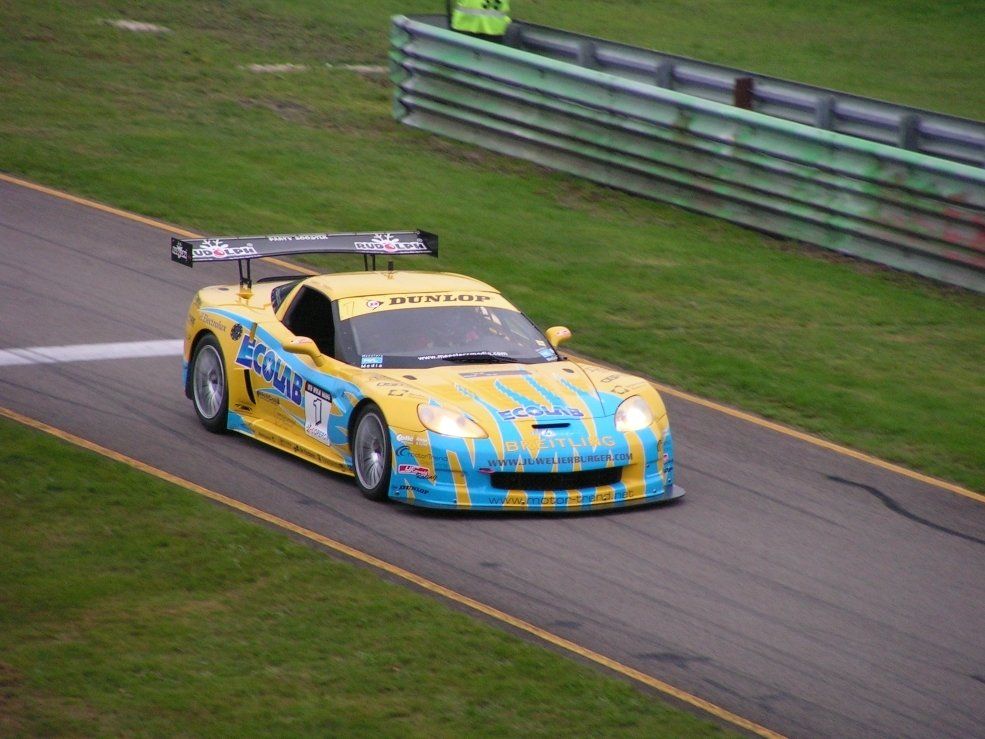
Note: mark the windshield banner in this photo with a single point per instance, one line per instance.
(352, 307)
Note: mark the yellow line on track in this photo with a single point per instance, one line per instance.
(735, 413)
(403, 574)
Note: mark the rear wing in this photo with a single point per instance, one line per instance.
(244, 248)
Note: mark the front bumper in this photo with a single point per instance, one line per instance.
(440, 472)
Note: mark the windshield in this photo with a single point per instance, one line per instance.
(435, 336)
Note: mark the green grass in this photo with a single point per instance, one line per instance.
(170, 126)
(130, 606)
(925, 54)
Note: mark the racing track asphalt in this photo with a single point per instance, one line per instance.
(811, 592)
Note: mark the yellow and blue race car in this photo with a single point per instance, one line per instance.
(429, 388)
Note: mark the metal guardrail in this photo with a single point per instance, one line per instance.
(948, 137)
(907, 210)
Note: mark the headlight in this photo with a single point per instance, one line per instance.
(633, 414)
(449, 423)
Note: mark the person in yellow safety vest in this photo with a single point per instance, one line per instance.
(486, 19)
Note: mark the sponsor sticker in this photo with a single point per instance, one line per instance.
(606, 458)
(439, 298)
(561, 442)
(405, 489)
(272, 367)
(268, 397)
(413, 469)
(298, 237)
(180, 252)
(492, 373)
(416, 454)
(219, 249)
(412, 439)
(539, 411)
(212, 322)
(358, 306)
(386, 243)
(371, 361)
(317, 409)
(452, 355)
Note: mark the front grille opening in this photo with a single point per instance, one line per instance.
(556, 480)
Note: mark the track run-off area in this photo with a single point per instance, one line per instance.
(799, 588)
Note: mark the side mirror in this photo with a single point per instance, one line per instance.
(557, 335)
(307, 347)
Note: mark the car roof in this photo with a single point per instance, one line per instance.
(356, 284)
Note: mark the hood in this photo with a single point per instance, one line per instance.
(503, 393)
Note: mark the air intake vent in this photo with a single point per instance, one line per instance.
(556, 480)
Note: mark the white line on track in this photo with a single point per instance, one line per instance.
(90, 352)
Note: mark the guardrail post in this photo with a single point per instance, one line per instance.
(909, 135)
(513, 36)
(586, 54)
(824, 113)
(743, 93)
(665, 74)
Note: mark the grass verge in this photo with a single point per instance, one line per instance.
(130, 606)
(173, 126)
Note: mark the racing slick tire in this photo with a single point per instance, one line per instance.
(210, 391)
(371, 453)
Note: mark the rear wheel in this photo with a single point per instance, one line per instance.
(371, 455)
(210, 391)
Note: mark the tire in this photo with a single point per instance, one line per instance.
(210, 390)
(372, 453)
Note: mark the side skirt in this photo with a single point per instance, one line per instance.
(274, 436)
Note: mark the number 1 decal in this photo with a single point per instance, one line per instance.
(317, 411)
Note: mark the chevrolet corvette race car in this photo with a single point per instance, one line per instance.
(429, 388)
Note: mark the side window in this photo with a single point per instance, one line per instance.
(345, 343)
(280, 292)
(310, 314)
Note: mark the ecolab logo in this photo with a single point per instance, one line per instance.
(268, 364)
(390, 244)
(538, 411)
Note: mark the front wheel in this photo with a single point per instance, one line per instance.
(371, 453)
(210, 391)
